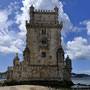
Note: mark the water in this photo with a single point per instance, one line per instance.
(2, 80)
(84, 80)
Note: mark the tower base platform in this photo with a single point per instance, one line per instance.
(52, 83)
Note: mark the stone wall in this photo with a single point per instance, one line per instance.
(37, 73)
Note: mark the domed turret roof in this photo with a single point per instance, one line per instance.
(32, 6)
(68, 58)
(56, 7)
(60, 50)
(26, 50)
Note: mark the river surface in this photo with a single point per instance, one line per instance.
(83, 80)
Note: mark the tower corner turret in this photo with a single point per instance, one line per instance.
(16, 60)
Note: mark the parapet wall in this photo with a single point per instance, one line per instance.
(45, 11)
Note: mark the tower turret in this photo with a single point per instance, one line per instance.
(60, 54)
(31, 13)
(56, 9)
(26, 54)
(16, 60)
(67, 69)
(31, 9)
(68, 63)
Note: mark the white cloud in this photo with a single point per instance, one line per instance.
(78, 49)
(87, 71)
(43, 4)
(3, 14)
(77, 29)
(10, 42)
(13, 47)
(87, 23)
(63, 44)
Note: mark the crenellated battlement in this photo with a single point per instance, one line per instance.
(47, 24)
(44, 16)
(44, 11)
(33, 10)
(10, 68)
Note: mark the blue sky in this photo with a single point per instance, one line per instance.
(75, 15)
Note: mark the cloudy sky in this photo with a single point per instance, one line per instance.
(75, 15)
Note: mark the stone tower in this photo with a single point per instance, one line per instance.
(43, 57)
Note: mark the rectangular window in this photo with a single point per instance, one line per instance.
(43, 54)
(43, 32)
(43, 41)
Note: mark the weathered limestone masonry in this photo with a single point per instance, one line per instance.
(43, 57)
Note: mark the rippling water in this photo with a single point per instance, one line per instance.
(83, 80)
